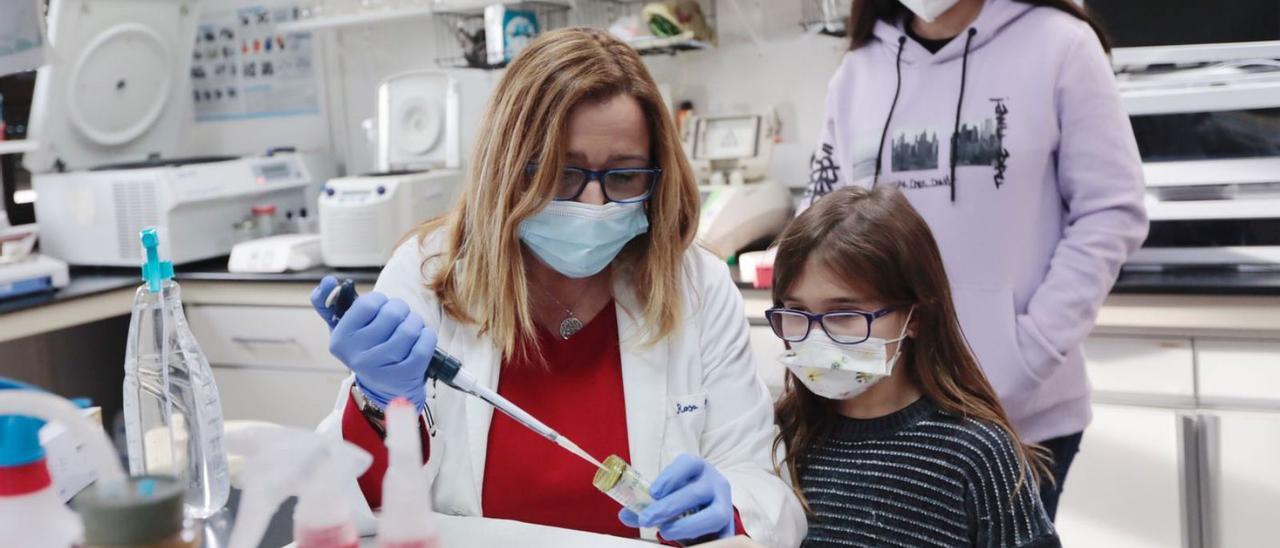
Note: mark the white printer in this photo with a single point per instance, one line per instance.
(364, 217)
(117, 94)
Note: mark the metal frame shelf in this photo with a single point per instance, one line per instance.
(453, 20)
(602, 14)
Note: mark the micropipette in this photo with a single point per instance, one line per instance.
(447, 369)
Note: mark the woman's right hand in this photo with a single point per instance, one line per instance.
(386, 345)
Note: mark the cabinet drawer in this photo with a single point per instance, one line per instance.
(291, 398)
(1141, 368)
(264, 336)
(765, 349)
(1239, 372)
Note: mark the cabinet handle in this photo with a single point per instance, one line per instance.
(1209, 457)
(247, 341)
(1190, 481)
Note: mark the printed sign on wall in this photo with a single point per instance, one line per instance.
(242, 68)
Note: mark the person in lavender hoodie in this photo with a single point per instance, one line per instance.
(1001, 122)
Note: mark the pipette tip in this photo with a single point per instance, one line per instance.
(573, 448)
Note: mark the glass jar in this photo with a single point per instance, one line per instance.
(623, 484)
(264, 220)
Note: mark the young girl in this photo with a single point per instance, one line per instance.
(893, 435)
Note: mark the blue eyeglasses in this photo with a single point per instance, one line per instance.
(624, 185)
(844, 327)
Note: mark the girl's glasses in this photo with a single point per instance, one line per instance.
(844, 327)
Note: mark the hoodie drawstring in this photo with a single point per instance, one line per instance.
(955, 132)
(884, 132)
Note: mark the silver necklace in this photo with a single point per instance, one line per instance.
(570, 325)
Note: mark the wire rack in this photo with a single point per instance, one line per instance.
(459, 29)
(829, 17)
(624, 18)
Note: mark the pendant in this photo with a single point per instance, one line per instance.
(569, 326)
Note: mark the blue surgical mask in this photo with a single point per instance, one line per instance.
(580, 240)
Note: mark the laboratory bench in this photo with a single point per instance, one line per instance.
(95, 293)
(453, 531)
(1185, 368)
(257, 330)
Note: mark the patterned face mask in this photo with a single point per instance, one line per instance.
(842, 371)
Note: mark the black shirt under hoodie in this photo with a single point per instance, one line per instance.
(921, 477)
(933, 45)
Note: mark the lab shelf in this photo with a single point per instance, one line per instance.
(364, 17)
(672, 45)
(458, 22)
(602, 14)
(370, 16)
(477, 8)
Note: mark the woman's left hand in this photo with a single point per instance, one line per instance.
(689, 483)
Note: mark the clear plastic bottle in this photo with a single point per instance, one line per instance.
(173, 417)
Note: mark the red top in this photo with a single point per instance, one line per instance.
(578, 392)
(357, 430)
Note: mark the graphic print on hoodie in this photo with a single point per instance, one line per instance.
(1012, 144)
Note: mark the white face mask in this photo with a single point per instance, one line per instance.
(842, 371)
(928, 10)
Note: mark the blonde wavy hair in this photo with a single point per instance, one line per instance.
(482, 279)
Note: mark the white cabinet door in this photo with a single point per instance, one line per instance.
(265, 336)
(290, 398)
(1241, 482)
(1127, 485)
(271, 363)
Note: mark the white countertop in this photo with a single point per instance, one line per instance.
(477, 532)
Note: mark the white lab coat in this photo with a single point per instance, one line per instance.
(695, 391)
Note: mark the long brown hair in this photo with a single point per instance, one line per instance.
(864, 14)
(482, 278)
(877, 238)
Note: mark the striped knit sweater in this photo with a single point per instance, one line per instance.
(920, 477)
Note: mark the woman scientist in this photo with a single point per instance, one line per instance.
(566, 279)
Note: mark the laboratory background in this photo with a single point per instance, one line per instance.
(242, 150)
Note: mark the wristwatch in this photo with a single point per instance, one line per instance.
(368, 408)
